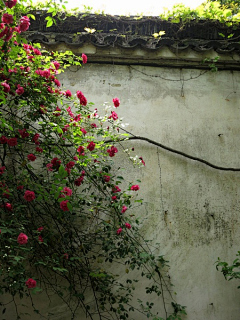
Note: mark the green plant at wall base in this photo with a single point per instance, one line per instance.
(67, 215)
(230, 271)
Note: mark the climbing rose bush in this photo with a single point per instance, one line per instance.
(65, 210)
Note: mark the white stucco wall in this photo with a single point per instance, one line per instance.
(192, 210)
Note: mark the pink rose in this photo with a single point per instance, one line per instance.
(57, 82)
(113, 116)
(135, 187)
(37, 52)
(84, 58)
(24, 24)
(57, 112)
(91, 146)
(29, 195)
(116, 189)
(6, 87)
(49, 166)
(10, 3)
(68, 93)
(67, 191)
(128, 226)
(80, 150)
(143, 162)
(119, 230)
(22, 238)
(83, 130)
(40, 229)
(63, 205)
(30, 283)
(31, 157)
(7, 18)
(82, 98)
(114, 198)
(56, 64)
(124, 209)
(116, 102)
(19, 90)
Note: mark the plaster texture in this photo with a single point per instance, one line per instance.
(192, 210)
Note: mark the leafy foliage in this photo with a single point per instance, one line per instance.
(230, 271)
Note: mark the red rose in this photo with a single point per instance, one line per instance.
(119, 230)
(63, 205)
(6, 87)
(7, 18)
(23, 133)
(40, 238)
(128, 226)
(112, 151)
(31, 157)
(70, 164)
(135, 187)
(56, 65)
(3, 140)
(24, 24)
(12, 142)
(84, 58)
(113, 116)
(8, 206)
(10, 3)
(68, 93)
(56, 163)
(30, 283)
(2, 169)
(91, 146)
(40, 150)
(106, 178)
(19, 90)
(57, 82)
(116, 102)
(29, 195)
(82, 98)
(124, 209)
(36, 137)
(22, 238)
(116, 189)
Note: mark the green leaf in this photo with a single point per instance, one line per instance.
(49, 23)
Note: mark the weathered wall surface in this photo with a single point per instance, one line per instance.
(192, 209)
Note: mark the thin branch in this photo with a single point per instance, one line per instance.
(177, 152)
